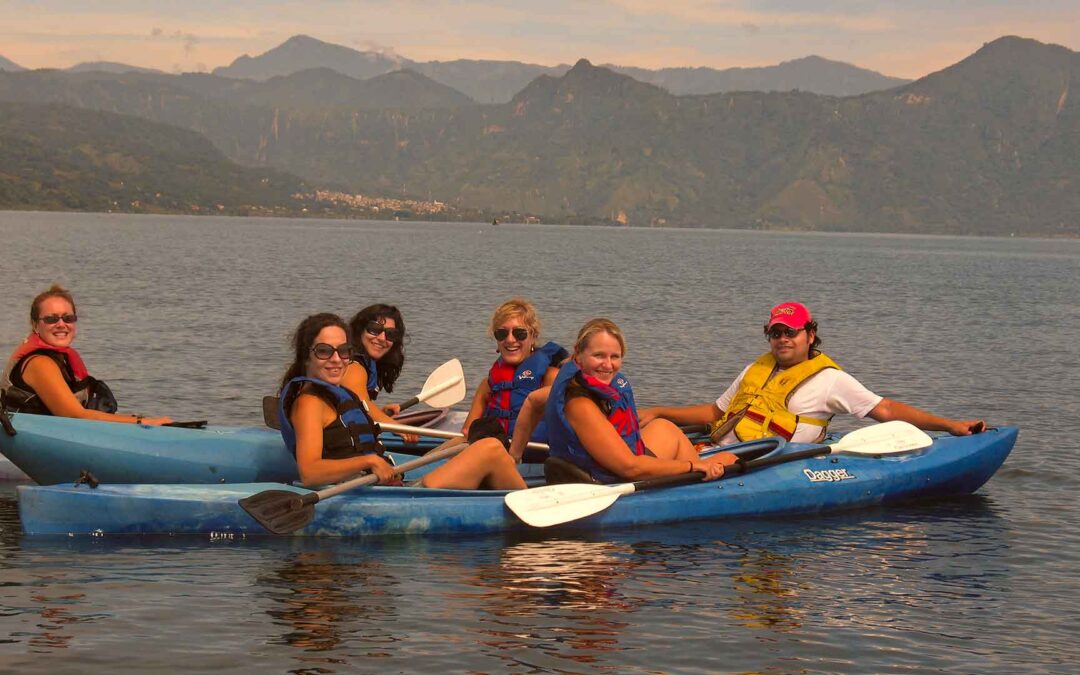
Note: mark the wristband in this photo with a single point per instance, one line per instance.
(691, 465)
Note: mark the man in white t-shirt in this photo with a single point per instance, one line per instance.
(794, 390)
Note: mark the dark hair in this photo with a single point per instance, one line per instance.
(812, 326)
(389, 366)
(302, 341)
(55, 291)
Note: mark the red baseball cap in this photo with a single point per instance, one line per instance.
(792, 314)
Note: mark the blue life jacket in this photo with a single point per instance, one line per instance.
(370, 365)
(527, 378)
(562, 438)
(352, 433)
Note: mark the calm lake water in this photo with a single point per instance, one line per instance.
(191, 316)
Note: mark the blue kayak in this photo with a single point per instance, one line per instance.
(950, 466)
(57, 449)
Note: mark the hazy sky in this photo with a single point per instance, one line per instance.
(905, 38)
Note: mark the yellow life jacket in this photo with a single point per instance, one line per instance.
(759, 408)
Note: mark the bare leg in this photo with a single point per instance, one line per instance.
(484, 463)
(667, 441)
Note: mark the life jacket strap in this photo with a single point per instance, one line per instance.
(767, 423)
(346, 436)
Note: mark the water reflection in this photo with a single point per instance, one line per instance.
(766, 591)
(332, 602)
(557, 598)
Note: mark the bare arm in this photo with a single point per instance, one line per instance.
(888, 410)
(44, 376)
(309, 416)
(479, 402)
(549, 376)
(532, 411)
(609, 450)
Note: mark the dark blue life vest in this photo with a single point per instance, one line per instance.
(526, 378)
(369, 364)
(618, 396)
(352, 433)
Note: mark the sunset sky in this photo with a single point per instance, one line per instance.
(909, 38)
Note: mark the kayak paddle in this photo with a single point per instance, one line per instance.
(283, 512)
(443, 388)
(554, 504)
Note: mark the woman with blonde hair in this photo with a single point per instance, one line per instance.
(523, 366)
(593, 423)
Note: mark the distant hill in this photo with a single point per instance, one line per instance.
(812, 73)
(59, 157)
(990, 145)
(9, 66)
(487, 81)
(322, 88)
(498, 81)
(301, 52)
(108, 67)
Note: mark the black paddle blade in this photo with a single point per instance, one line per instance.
(281, 511)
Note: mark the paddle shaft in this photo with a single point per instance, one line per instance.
(441, 452)
(440, 433)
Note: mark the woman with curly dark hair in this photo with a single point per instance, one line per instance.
(378, 334)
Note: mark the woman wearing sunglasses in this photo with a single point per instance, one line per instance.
(793, 391)
(323, 423)
(378, 333)
(593, 422)
(523, 366)
(327, 427)
(46, 375)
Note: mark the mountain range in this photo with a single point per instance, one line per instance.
(990, 145)
(497, 81)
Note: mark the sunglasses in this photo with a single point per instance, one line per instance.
(776, 332)
(57, 318)
(374, 329)
(503, 333)
(325, 352)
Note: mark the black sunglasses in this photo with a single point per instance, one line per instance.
(503, 333)
(57, 318)
(775, 332)
(374, 329)
(324, 352)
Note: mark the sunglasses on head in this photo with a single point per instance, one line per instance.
(776, 332)
(503, 333)
(324, 352)
(374, 329)
(57, 318)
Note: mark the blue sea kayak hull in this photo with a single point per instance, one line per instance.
(56, 449)
(951, 466)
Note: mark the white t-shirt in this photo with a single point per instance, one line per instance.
(828, 392)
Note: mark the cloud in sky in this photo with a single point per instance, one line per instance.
(906, 39)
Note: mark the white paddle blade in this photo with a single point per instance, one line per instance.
(887, 438)
(554, 504)
(445, 386)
